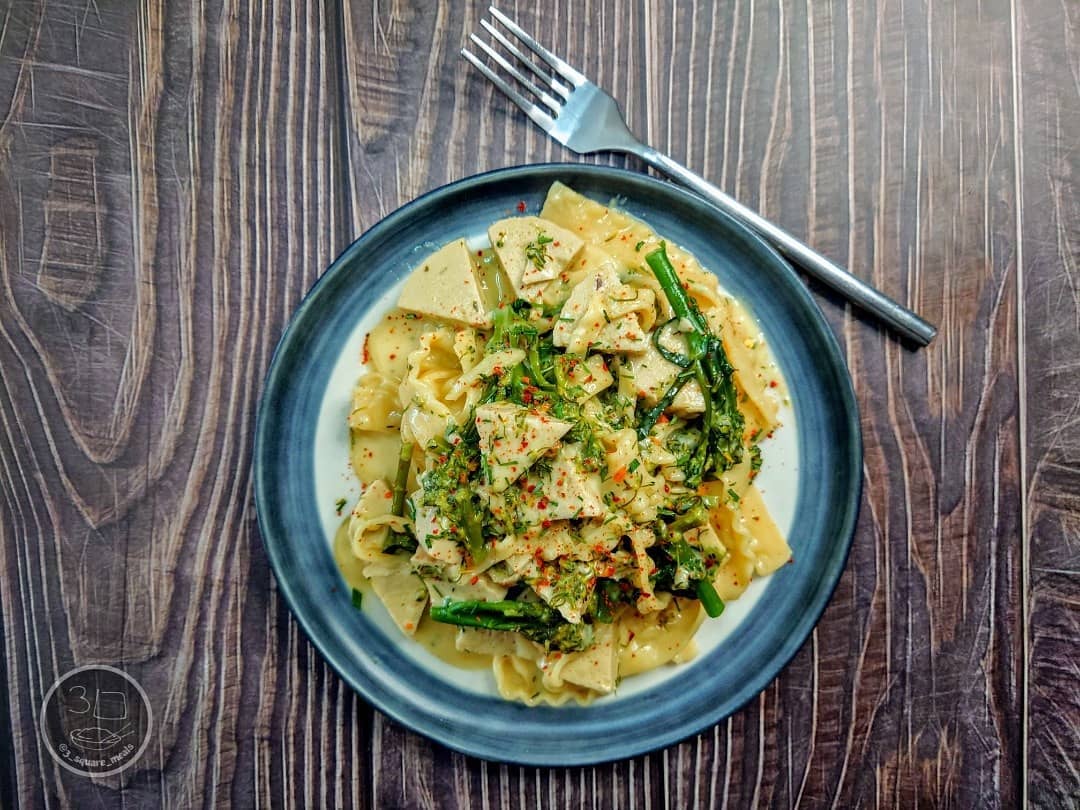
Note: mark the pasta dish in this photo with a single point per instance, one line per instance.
(558, 437)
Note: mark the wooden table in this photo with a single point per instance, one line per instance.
(173, 178)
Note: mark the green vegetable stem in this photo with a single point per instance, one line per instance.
(535, 620)
(720, 446)
(400, 541)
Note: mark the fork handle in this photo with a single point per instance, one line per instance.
(900, 318)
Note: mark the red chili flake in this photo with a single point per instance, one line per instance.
(542, 503)
(773, 383)
(530, 487)
(475, 579)
(389, 495)
(479, 253)
(663, 419)
(521, 207)
(366, 355)
(545, 524)
(393, 357)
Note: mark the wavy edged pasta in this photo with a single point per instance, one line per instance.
(558, 483)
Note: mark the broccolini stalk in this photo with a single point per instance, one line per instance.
(446, 489)
(721, 443)
(401, 479)
(709, 598)
(535, 620)
(400, 540)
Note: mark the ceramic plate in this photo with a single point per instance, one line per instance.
(811, 480)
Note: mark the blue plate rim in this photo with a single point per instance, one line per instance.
(764, 252)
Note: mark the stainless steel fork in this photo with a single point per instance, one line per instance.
(582, 117)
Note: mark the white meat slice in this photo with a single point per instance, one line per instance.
(444, 286)
(512, 438)
(532, 250)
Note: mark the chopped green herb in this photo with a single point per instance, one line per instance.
(357, 599)
(536, 252)
(340, 505)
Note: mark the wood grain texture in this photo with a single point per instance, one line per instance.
(170, 187)
(173, 177)
(1048, 36)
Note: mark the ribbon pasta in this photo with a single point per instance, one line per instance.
(537, 441)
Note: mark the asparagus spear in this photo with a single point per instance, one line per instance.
(535, 620)
(400, 540)
(706, 362)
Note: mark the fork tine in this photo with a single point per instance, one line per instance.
(510, 46)
(554, 105)
(557, 64)
(540, 117)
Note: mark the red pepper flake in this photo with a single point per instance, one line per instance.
(521, 207)
(389, 495)
(773, 383)
(663, 419)
(545, 524)
(475, 579)
(366, 355)
(542, 503)
(620, 475)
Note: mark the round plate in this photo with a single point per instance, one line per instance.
(298, 448)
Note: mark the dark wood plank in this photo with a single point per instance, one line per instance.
(169, 178)
(1049, 96)
(884, 135)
